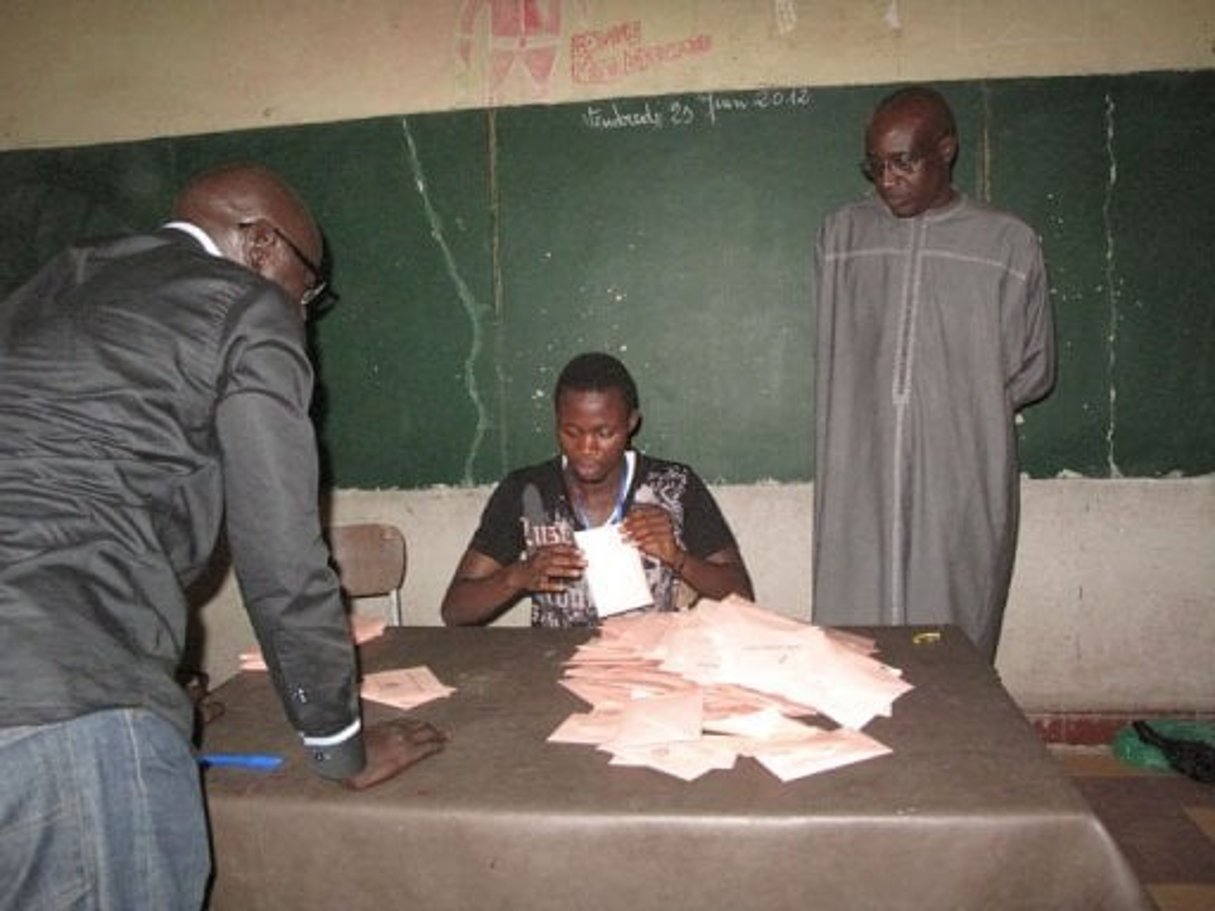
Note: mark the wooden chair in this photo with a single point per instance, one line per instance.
(370, 559)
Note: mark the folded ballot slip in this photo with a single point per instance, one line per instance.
(404, 688)
(613, 571)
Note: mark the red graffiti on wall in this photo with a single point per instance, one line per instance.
(526, 33)
(605, 55)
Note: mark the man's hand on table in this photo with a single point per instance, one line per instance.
(393, 746)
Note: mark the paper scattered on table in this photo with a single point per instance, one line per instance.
(819, 751)
(404, 688)
(686, 760)
(613, 571)
(363, 628)
(687, 693)
(675, 717)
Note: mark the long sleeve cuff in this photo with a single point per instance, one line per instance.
(339, 755)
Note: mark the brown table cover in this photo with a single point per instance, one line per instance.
(969, 812)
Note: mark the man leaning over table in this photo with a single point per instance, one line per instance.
(525, 542)
(150, 385)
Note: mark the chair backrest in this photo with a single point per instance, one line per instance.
(371, 561)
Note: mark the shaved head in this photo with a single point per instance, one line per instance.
(258, 220)
(927, 106)
(235, 194)
(911, 143)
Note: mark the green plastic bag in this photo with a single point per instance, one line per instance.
(1127, 746)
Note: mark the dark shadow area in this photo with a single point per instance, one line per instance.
(190, 672)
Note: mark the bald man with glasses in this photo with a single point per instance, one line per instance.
(934, 329)
(152, 387)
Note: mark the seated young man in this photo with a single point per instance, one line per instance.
(525, 543)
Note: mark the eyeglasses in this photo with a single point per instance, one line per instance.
(319, 285)
(904, 164)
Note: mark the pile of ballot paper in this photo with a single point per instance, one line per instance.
(686, 693)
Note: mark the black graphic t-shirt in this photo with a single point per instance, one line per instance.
(509, 525)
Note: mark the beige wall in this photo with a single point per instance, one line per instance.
(1113, 604)
(84, 71)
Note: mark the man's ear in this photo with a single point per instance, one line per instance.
(634, 421)
(947, 148)
(256, 242)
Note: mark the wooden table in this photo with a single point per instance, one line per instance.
(970, 811)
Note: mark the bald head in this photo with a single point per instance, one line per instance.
(911, 143)
(921, 104)
(258, 220)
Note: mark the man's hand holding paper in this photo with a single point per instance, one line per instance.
(613, 571)
(551, 567)
(649, 529)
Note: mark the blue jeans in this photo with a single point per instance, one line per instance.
(104, 813)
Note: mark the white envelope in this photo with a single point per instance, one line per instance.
(613, 571)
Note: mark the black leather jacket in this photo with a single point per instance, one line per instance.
(147, 386)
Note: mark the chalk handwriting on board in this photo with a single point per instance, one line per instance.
(705, 109)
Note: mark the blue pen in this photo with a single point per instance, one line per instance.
(261, 762)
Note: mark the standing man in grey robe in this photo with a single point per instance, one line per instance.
(934, 328)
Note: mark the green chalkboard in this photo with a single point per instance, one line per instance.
(476, 251)
(674, 233)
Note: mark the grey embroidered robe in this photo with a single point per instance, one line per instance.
(932, 332)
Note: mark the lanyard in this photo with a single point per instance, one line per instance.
(626, 479)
